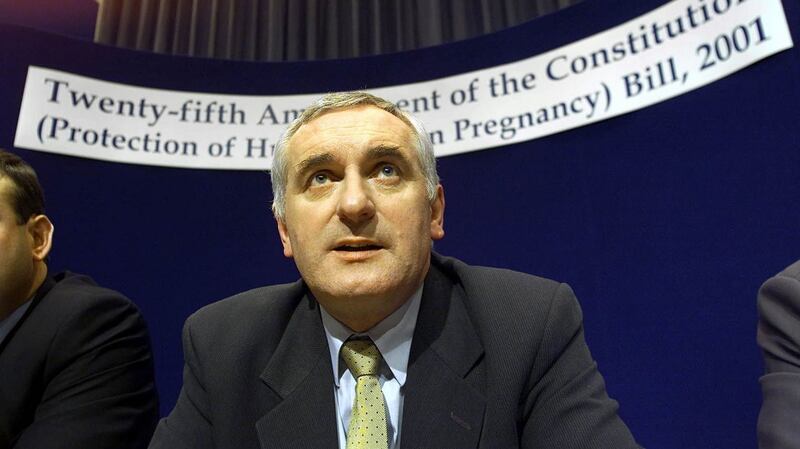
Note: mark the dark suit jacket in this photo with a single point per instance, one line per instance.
(779, 338)
(498, 360)
(76, 372)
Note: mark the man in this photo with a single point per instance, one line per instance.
(75, 363)
(779, 338)
(382, 344)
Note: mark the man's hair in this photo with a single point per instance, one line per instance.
(26, 196)
(344, 100)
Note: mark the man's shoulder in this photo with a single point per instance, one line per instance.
(80, 347)
(492, 281)
(522, 319)
(270, 298)
(779, 297)
(792, 271)
(496, 295)
(69, 294)
(783, 286)
(267, 308)
(71, 320)
(71, 315)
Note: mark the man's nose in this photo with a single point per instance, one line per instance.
(355, 202)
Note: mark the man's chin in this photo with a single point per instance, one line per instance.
(362, 290)
(358, 287)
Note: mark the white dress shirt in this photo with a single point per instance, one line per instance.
(392, 336)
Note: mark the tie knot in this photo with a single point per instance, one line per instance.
(362, 357)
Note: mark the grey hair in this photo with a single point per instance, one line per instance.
(343, 100)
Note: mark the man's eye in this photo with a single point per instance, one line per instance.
(320, 178)
(387, 170)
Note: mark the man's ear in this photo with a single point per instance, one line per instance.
(284, 233)
(40, 231)
(437, 214)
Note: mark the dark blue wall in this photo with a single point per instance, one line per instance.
(665, 221)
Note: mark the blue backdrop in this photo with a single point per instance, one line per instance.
(665, 221)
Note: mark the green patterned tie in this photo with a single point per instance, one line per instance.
(367, 428)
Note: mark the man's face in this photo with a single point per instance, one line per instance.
(357, 219)
(16, 250)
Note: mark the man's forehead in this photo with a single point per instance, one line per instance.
(7, 187)
(6, 184)
(356, 125)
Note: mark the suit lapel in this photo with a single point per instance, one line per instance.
(300, 374)
(444, 402)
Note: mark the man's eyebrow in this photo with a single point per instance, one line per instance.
(314, 161)
(377, 152)
(385, 151)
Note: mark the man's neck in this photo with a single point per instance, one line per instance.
(362, 314)
(362, 320)
(9, 305)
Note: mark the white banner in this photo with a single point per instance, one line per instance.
(669, 51)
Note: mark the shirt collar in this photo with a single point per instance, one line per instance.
(392, 336)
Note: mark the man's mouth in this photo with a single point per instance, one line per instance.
(358, 247)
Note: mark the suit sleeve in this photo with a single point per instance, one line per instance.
(779, 338)
(188, 426)
(567, 407)
(100, 389)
